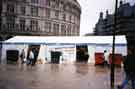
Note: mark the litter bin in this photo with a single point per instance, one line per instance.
(12, 55)
(55, 57)
(118, 59)
(99, 58)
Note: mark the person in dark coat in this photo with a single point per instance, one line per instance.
(129, 67)
(86, 57)
(35, 52)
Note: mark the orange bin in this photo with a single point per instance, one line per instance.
(118, 59)
(99, 58)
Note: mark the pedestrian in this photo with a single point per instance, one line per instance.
(35, 52)
(30, 57)
(129, 68)
(106, 58)
(86, 57)
(22, 56)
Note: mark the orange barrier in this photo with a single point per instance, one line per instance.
(99, 59)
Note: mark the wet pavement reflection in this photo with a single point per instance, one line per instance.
(57, 76)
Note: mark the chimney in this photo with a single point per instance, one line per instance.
(121, 3)
(101, 15)
(107, 13)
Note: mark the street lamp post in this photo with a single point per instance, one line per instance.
(113, 48)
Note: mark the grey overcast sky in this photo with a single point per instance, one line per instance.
(91, 10)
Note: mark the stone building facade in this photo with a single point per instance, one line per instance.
(39, 17)
(125, 23)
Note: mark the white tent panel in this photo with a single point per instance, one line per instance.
(91, 52)
(42, 53)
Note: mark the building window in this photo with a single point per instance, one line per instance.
(70, 18)
(23, 10)
(22, 24)
(48, 2)
(34, 25)
(10, 8)
(74, 30)
(64, 7)
(69, 30)
(34, 11)
(67, 7)
(48, 13)
(57, 14)
(78, 32)
(63, 29)
(57, 3)
(64, 16)
(53, 4)
(48, 26)
(56, 29)
(34, 1)
(74, 19)
(10, 22)
(61, 5)
(23, 0)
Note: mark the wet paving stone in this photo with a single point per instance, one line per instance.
(57, 76)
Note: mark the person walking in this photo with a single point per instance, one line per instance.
(30, 57)
(35, 52)
(22, 56)
(129, 68)
(106, 58)
(86, 57)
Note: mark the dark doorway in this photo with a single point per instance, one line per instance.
(12, 55)
(55, 57)
(32, 47)
(35, 50)
(82, 53)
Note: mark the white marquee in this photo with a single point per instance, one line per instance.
(64, 43)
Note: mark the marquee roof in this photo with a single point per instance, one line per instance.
(65, 40)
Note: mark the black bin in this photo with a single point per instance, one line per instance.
(55, 57)
(12, 55)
